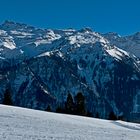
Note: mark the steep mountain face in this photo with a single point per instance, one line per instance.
(130, 43)
(40, 67)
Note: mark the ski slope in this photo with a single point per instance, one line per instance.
(26, 124)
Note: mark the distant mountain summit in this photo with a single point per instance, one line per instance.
(40, 67)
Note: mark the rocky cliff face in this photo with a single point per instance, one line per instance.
(40, 67)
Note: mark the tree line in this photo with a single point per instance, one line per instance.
(75, 106)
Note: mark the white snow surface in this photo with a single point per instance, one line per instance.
(86, 38)
(26, 124)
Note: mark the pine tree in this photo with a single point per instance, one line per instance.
(48, 108)
(60, 110)
(7, 98)
(112, 116)
(69, 105)
(80, 104)
(97, 115)
(89, 114)
(121, 117)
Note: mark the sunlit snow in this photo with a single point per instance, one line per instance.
(26, 124)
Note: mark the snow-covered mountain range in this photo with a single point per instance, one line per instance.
(41, 66)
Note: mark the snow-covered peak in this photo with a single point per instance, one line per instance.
(86, 29)
(65, 32)
(10, 25)
(111, 35)
(6, 41)
(51, 35)
(34, 41)
(3, 33)
(130, 43)
(136, 36)
(86, 37)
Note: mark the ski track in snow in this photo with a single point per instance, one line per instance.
(26, 124)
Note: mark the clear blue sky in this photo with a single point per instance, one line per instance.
(121, 16)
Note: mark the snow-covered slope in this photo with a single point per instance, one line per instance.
(130, 43)
(25, 124)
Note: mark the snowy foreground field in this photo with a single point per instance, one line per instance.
(25, 124)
